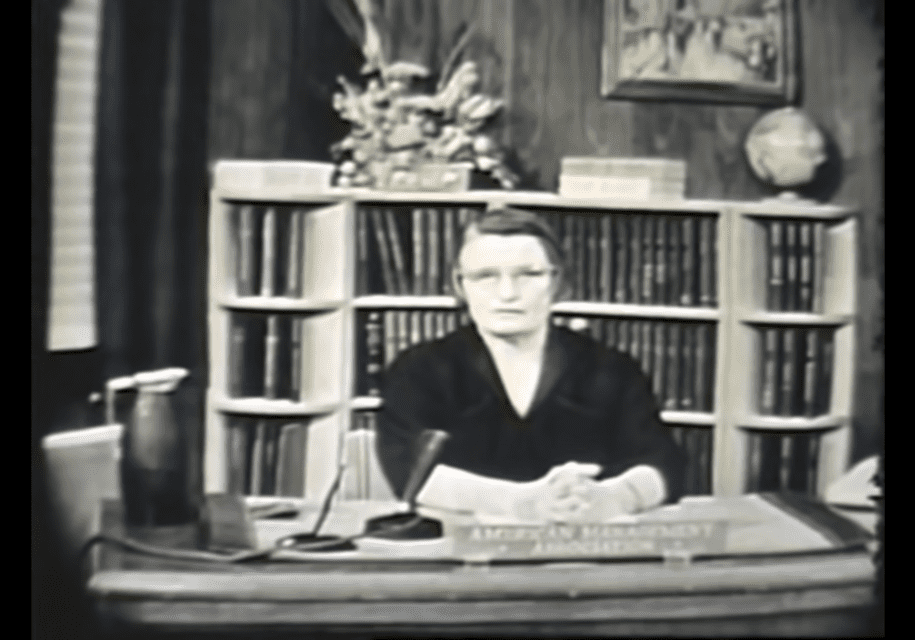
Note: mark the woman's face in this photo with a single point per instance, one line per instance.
(508, 283)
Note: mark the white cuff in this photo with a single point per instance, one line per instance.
(459, 490)
(647, 483)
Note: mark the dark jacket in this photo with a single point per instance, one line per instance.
(592, 405)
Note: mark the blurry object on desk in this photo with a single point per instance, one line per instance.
(855, 493)
(624, 178)
(82, 470)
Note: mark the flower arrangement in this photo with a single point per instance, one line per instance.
(397, 126)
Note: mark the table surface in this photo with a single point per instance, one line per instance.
(788, 566)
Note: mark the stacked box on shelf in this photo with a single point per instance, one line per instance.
(629, 178)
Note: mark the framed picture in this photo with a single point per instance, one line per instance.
(735, 51)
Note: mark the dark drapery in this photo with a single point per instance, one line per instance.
(150, 236)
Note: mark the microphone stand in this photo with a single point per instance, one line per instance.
(409, 525)
(313, 540)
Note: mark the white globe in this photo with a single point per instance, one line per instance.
(785, 148)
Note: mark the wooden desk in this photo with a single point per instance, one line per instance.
(783, 574)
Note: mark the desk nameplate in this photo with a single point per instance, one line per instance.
(604, 540)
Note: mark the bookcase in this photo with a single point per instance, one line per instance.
(742, 315)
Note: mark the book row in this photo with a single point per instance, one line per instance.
(696, 443)
(650, 259)
(796, 265)
(796, 371)
(382, 335)
(265, 355)
(622, 258)
(678, 357)
(408, 251)
(782, 462)
(268, 249)
(266, 456)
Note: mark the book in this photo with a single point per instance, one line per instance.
(384, 253)
(416, 327)
(647, 353)
(789, 296)
(397, 254)
(294, 255)
(374, 352)
(592, 237)
(659, 366)
(635, 259)
(295, 359)
(237, 459)
(819, 266)
(776, 269)
(257, 458)
(441, 326)
(827, 355)
(272, 343)
(674, 262)
(362, 252)
(268, 261)
(634, 336)
(687, 292)
(596, 328)
(789, 380)
(609, 333)
(449, 240)
(390, 337)
(648, 246)
(811, 367)
(245, 251)
(687, 401)
(568, 249)
(237, 359)
(672, 368)
(805, 275)
(706, 231)
(622, 336)
(605, 260)
(621, 244)
(403, 331)
(433, 271)
(419, 252)
(703, 366)
(580, 248)
(769, 367)
(290, 468)
(660, 261)
(268, 486)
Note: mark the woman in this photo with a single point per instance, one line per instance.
(544, 423)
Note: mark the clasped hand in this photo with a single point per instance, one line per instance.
(569, 493)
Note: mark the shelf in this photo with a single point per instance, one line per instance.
(278, 303)
(636, 311)
(791, 423)
(405, 302)
(689, 417)
(775, 208)
(368, 403)
(365, 403)
(268, 408)
(802, 319)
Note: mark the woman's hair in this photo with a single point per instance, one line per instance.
(514, 222)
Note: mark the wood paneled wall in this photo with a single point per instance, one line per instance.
(275, 64)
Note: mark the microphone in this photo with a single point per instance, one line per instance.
(402, 525)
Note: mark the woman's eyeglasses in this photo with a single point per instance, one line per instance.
(490, 278)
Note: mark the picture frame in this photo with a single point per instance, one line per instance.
(724, 51)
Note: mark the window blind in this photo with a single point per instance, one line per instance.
(71, 304)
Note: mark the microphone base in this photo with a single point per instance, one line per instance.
(312, 542)
(403, 526)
